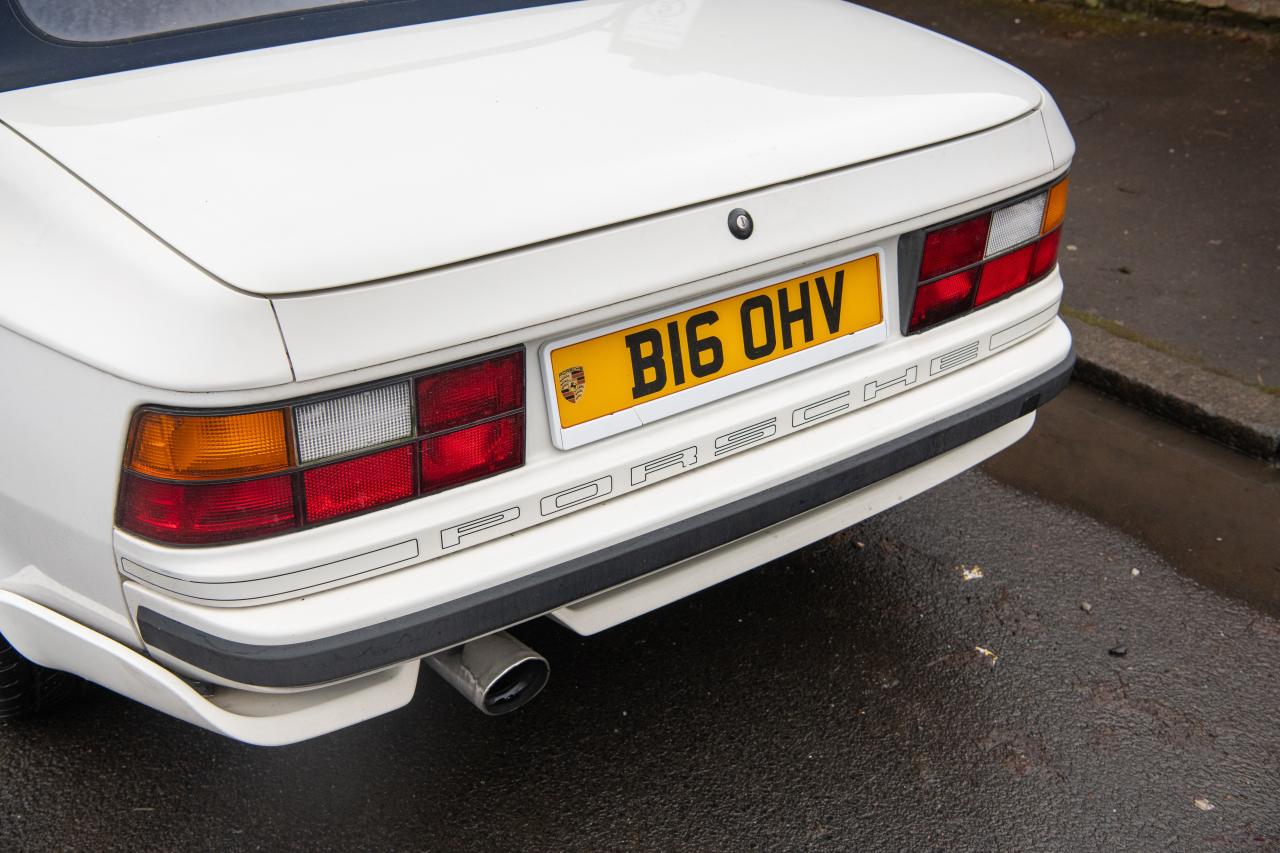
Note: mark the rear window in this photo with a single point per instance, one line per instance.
(49, 41)
(118, 20)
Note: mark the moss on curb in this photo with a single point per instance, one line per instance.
(1122, 331)
(1173, 10)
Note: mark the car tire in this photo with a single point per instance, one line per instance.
(27, 688)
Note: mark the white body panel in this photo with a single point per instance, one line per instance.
(472, 134)
(795, 222)
(80, 278)
(150, 191)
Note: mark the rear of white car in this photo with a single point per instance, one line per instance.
(330, 356)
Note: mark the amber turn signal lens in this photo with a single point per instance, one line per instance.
(1056, 210)
(202, 447)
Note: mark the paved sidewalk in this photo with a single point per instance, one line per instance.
(1173, 231)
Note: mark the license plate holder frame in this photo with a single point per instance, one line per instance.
(568, 438)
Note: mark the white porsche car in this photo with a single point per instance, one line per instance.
(339, 337)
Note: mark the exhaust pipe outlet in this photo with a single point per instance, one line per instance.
(497, 673)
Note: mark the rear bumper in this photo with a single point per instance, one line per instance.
(51, 639)
(425, 632)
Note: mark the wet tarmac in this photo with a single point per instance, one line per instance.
(1083, 693)
(1211, 512)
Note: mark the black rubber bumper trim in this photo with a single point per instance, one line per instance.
(438, 628)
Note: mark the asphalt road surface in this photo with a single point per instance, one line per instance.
(836, 699)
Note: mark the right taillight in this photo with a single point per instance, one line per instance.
(206, 477)
(968, 264)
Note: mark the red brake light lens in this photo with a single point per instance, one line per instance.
(203, 513)
(472, 452)
(345, 488)
(943, 299)
(471, 393)
(1046, 254)
(955, 247)
(1005, 275)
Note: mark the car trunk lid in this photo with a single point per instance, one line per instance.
(367, 157)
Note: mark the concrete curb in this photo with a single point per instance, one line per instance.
(1238, 415)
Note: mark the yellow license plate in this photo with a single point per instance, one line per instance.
(647, 361)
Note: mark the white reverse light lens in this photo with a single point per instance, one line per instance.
(1017, 224)
(347, 424)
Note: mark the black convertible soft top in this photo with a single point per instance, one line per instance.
(29, 57)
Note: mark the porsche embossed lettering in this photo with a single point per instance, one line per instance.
(451, 537)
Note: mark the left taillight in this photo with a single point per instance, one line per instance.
(214, 477)
(968, 264)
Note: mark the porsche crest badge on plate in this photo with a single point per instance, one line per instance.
(573, 383)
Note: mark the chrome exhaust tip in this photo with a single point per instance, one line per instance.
(498, 673)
